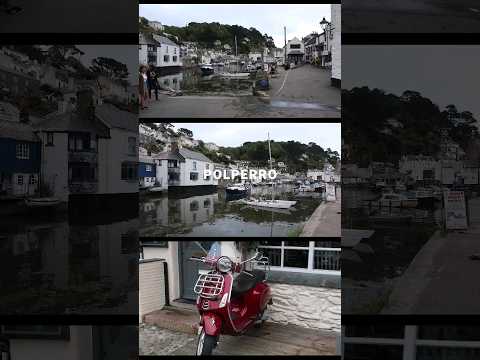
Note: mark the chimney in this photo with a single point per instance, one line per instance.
(174, 147)
(85, 106)
(62, 107)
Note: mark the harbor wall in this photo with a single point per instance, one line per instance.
(307, 306)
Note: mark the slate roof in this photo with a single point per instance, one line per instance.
(17, 130)
(164, 40)
(71, 121)
(116, 118)
(189, 154)
(181, 155)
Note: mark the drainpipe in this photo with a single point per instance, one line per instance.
(165, 276)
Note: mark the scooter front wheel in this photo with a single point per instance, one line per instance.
(206, 343)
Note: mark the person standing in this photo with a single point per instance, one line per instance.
(154, 83)
(149, 80)
(142, 86)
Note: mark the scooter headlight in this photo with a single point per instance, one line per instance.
(224, 264)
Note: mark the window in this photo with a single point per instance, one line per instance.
(32, 180)
(166, 58)
(82, 172)
(129, 171)
(172, 163)
(207, 166)
(174, 50)
(295, 46)
(50, 138)
(193, 176)
(19, 179)
(174, 59)
(194, 206)
(132, 145)
(148, 167)
(303, 255)
(80, 142)
(23, 151)
(194, 165)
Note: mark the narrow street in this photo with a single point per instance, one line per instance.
(302, 92)
(63, 16)
(442, 278)
(420, 15)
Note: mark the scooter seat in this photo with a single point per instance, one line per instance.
(244, 282)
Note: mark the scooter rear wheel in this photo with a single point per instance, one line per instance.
(206, 343)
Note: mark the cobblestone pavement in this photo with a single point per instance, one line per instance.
(271, 339)
(158, 341)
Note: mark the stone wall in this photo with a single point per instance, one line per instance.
(311, 307)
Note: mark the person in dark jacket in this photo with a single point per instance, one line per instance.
(149, 80)
(154, 83)
(7, 7)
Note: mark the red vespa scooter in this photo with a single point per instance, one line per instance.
(228, 305)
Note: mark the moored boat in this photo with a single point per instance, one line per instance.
(42, 202)
(236, 189)
(206, 69)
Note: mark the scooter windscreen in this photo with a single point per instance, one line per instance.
(214, 251)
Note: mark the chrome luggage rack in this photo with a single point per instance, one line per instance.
(209, 285)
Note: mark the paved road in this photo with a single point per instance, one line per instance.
(301, 92)
(410, 16)
(442, 279)
(324, 222)
(272, 339)
(75, 16)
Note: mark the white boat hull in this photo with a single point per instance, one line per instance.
(278, 204)
(42, 202)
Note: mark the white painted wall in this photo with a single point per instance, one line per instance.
(143, 54)
(171, 51)
(337, 41)
(111, 153)
(55, 164)
(188, 166)
(79, 347)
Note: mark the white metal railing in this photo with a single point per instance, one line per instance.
(409, 342)
(209, 285)
(331, 258)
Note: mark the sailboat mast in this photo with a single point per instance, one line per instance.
(270, 156)
(236, 54)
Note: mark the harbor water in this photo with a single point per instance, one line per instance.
(191, 81)
(54, 265)
(216, 214)
(371, 269)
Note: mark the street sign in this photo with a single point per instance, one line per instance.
(455, 210)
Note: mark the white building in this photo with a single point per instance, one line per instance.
(255, 57)
(307, 294)
(168, 53)
(157, 25)
(212, 146)
(159, 51)
(295, 51)
(181, 167)
(336, 28)
(89, 150)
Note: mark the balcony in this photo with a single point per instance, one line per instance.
(83, 187)
(87, 156)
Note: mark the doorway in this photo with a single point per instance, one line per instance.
(189, 270)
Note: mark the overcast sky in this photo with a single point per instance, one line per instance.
(447, 74)
(235, 134)
(127, 54)
(300, 19)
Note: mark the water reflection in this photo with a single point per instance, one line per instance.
(192, 82)
(219, 215)
(51, 266)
